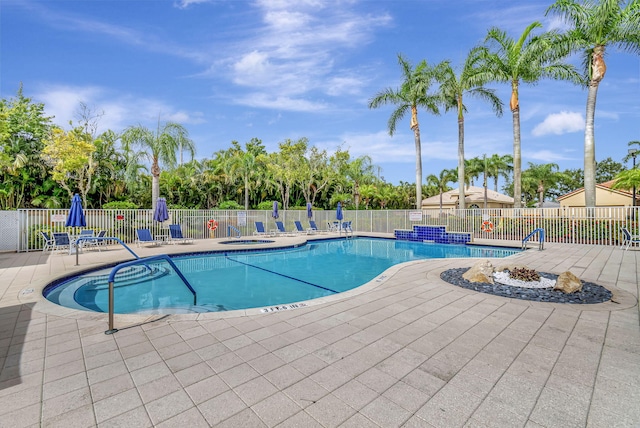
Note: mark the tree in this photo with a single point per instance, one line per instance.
(159, 147)
(528, 59)
(607, 170)
(441, 181)
(412, 94)
(23, 129)
(541, 177)
(70, 155)
(628, 180)
(593, 27)
(499, 166)
(247, 165)
(453, 88)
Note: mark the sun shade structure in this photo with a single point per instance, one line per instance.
(309, 210)
(339, 215)
(161, 213)
(76, 214)
(274, 214)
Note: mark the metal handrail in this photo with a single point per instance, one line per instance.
(112, 276)
(229, 227)
(102, 238)
(538, 230)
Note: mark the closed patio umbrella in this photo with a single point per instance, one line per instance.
(76, 214)
(339, 212)
(274, 214)
(161, 213)
(309, 210)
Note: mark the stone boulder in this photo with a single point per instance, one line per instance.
(480, 272)
(568, 283)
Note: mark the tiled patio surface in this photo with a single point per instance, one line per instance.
(406, 350)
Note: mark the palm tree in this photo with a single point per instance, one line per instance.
(158, 147)
(413, 93)
(441, 181)
(527, 59)
(593, 27)
(499, 166)
(453, 87)
(542, 177)
(633, 153)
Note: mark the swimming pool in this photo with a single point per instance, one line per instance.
(252, 279)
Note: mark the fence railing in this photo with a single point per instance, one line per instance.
(566, 225)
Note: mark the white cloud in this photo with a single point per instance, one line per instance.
(549, 156)
(266, 100)
(383, 148)
(560, 123)
(183, 4)
(295, 51)
(120, 110)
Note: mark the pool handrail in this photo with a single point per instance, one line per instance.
(145, 260)
(229, 227)
(538, 230)
(104, 238)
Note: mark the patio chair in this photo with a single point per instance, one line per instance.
(95, 243)
(346, 228)
(176, 237)
(144, 237)
(260, 231)
(61, 241)
(628, 239)
(48, 241)
(300, 229)
(333, 226)
(314, 227)
(281, 230)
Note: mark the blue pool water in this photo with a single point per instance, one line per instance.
(241, 280)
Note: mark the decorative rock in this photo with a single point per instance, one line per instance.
(511, 267)
(480, 272)
(568, 283)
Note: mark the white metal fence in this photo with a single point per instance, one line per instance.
(569, 225)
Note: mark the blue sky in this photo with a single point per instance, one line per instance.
(276, 69)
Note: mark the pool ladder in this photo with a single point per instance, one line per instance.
(144, 261)
(238, 233)
(538, 230)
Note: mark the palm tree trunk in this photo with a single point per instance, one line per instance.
(590, 148)
(416, 134)
(155, 185)
(462, 204)
(517, 161)
(246, 193)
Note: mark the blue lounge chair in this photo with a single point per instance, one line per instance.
(300, 229)
(628, 239)
(260, 231)
(95, 243)
(346, 228)
(175, 232)
(48, 241)
(313, 226)
(281, 229)
(144, 237)
(61, 241)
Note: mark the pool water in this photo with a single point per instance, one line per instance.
(241, 280)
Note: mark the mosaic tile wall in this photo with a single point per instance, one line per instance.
(436, 234)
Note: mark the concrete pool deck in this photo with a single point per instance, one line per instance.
(407, 349)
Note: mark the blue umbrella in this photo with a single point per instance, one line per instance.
(161, 213)
(76, 215)
(309, 211)
(274, 214)
(339, 211)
